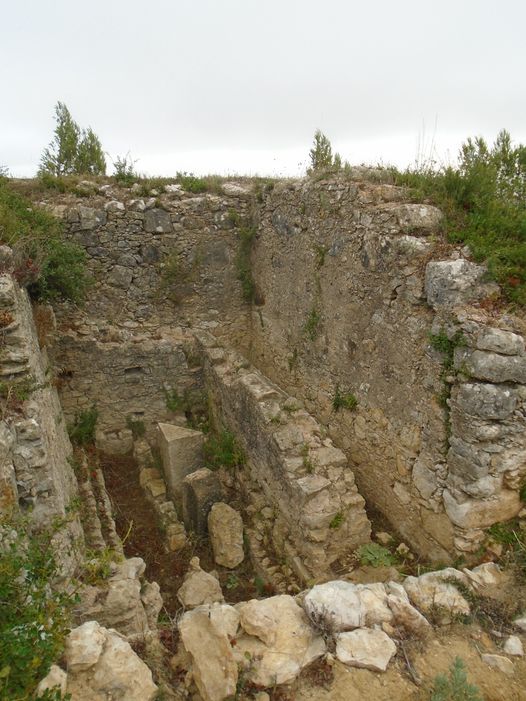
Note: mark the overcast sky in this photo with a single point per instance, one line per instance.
(240, 86)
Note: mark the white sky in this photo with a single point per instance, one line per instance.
(240, 86)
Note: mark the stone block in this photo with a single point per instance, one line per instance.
(201, 490)
(181, 453)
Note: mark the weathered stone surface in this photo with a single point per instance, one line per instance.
(503, 664)
(201, 489)
(91, 218)
(205, 633)
(482, 513)
(432, 592)
(487, 574)
(493, 367)
(157, 220)
(453, 282)
(366, 648)
(199, 587)
(335, 604)
(487, 401)
(225, 528)
(181, 453)
(520, 623)
(84, 646)
(56, 677)
(513, 646)
(499, 341)
(280, 641)
(415, 218)
(102, 665)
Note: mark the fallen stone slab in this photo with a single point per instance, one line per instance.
(225, 528)
(199, 587)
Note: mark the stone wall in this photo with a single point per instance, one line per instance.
(170, 256)
(306, 481)
(127, 373)
(347, 307)
(36, 477)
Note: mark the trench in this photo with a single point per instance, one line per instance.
(142, 537)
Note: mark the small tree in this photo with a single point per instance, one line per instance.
(72, 151)
(90, 156)
(321, 153)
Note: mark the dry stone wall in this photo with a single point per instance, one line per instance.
(305, 479)
(350, 300)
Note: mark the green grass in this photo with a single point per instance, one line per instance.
(484, 201)
(375, 555)
(344, 400)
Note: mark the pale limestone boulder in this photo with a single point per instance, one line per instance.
(520, 623)
(56, 677)
(282, 641)
(225, 528)
(499, 341)
(334, 606)
(513, 646)
(111, 670)
(199, 587)
(84, 646)
(503, 664)
(432, 592)
(365, 647)
(206, 633)
(486, 575)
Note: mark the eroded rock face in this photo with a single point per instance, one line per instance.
(101, 665)
(436, 592)
(199, 587)
(225, 528)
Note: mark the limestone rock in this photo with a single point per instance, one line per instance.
(56, 677)
(492, 367)
(503, 664)
(513, 646)
(158, 221)
(520, 623)
(366, 648)
(205, 633)
(433, 592)
(84, 646)
(499, 341)
(225, 527)
(452, 282)
(487, 574)
(201, 490)
(281, 643)
(102, 665)
(335, 606)
(199, 587)
(481, 513)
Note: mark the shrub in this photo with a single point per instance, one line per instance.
(484, 199)
(82, 430)
(72, 150)
(124, 167)
(136, 426)
(49, 266)
(33, 618)
(455, 686)
(320, 155)
(337, 521)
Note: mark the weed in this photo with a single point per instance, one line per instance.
(98, 565)
(173, 400)
(320, 252)
(232, 581)
(344, 400)
(454, 686)
(125, 170)
(375, 555)
(82, 430)
(222, 450)
(337, 521)
(513, 539)
(313, 323)
(136, 426)
(307, 462)
(445, 344)
(233, 217)
(247, 235)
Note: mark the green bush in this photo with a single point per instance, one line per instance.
(484, 199)
(49, 266)
(455, 686)
(124, 167)
(82, 430)
(33, 618)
